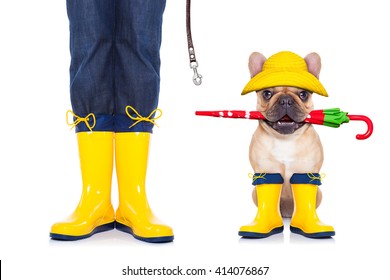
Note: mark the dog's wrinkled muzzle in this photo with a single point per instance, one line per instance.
(285, 125)
(286, 116)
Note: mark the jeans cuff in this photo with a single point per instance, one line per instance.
(124, 124)
(267, 178)
(102, 123)
(306, 178)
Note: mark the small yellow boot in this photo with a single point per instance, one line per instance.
(305, 220)
(134, 215)
(94, 212)
(268, 220)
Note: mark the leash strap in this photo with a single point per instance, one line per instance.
(197, 78)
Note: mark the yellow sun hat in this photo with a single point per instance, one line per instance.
(285, 69)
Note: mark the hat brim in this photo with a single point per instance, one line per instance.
(300, 79)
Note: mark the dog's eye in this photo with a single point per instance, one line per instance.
(304, 95)
(267, 94)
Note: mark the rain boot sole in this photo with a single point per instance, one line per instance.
(318, 235)
(127, 229)
(257, 235)
(64, 237)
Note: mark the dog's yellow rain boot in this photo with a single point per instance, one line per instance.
(268, 220)
(94, 212)
(305, 220)
(134, 214)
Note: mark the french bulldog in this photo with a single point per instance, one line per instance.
(283, 143)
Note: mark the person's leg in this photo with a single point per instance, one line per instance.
(137, 61)
(92, 98)
(91, 24)
(137, 85)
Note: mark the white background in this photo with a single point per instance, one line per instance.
(197, 177)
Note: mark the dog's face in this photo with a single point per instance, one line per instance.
(285, 108)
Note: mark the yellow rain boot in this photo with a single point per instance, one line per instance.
(94, 212)
(134, 215)
(268, 220)
(305, 220)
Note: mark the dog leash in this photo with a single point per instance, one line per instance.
(197, 78)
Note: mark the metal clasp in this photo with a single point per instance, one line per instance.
(197, 78)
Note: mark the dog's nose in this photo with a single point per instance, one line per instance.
(286, 101)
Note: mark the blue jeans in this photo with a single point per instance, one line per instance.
(115, 62)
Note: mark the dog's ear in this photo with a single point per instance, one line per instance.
(313, 61)
(256, 61)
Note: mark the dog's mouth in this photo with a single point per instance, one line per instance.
(285, 125)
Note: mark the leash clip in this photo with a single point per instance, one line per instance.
(197, 78)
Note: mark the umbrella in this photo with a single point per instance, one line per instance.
(333, 117)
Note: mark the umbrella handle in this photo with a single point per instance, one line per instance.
(367, 120)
